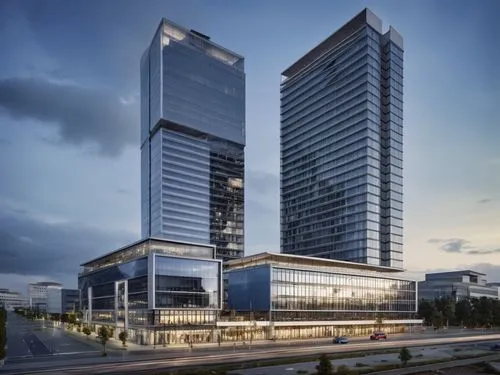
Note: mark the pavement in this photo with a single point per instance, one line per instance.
(28, 339)
(32, 346)
(136, 349)
(167, 360)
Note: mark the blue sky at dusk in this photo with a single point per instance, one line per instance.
(69, 123)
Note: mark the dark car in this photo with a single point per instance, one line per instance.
(378, 336)
(340, 340)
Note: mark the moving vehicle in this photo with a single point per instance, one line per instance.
(340, 340)
(378, 336)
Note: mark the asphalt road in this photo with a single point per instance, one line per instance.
(28, 339)
(170, 360)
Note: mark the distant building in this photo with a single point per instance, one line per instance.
(37, 294)
(11, 300)
(457, 285)
(61, 301)
(54, 299)
(70, 300)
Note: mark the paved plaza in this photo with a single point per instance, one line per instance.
(26, 339)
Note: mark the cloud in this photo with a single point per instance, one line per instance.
(82, 115)
(486, 200)
(461, 246)
(29, 246)
(454, 245)
(483, 252)
(123, 191)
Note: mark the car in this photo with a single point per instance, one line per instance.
(378, 336)
(340, 340)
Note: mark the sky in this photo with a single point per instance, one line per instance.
(69, 123)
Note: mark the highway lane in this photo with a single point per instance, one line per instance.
(131, 365)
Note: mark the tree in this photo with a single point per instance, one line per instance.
(55, 317)
(123, 338)
(64, 318)
(463, 312)
(426, 310)
(405, 355)
(103, 338)
(446, 306)
(86, 331)
(111, 331)
(3, 334)
(325, 366)
(437, 319)
(72, 318)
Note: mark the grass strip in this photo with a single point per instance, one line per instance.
(224, 369)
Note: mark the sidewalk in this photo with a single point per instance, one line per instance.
(114, 345)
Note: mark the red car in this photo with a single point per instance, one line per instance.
(378, 336)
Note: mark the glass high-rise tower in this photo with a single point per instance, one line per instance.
(192, 140)
(342, 147)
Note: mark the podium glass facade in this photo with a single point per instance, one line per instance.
(304, 288)
(154, 286)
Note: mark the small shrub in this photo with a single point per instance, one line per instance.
(325, 366)
(359, 364)
(86, 331)
(404, 356)
(123, 338)
(103, 338)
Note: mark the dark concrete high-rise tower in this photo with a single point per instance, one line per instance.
(342, 147)
(192, 141)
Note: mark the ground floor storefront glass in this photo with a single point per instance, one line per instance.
(293, 333)
(171, 335)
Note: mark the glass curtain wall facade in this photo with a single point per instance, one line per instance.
(308, 294)
(149, 288)
(341, 147)
(346, 295)
(192, 141)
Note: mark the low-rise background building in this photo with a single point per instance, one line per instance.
(456, 285)
(11, 300)
(37, 294)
